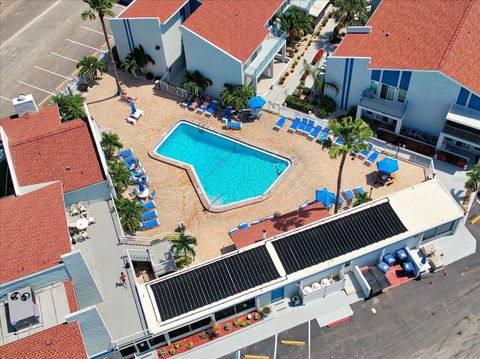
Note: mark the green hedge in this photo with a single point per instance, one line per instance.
(297, 104)
(327, 104)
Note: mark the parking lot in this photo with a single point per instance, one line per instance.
(40, 43)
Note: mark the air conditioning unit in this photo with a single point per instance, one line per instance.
(24, 104)
(22, 309)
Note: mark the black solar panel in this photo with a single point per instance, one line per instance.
(335, 238)
(218, 280)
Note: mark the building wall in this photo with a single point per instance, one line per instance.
(211, 62)
(172, 43)
(91, 194)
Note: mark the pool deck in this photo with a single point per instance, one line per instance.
(176, 198)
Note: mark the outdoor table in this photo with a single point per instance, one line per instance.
(144, 194)
(81, 223)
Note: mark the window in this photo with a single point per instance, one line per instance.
(225, 313)
(239, 308)
(445, 227)
(249, 304)
(143, 347)
(125, 352)
(157, 340)
(200, 324)
(374, 86)
(347, 264)
(179, 331)
(401, 95)
(387, 92)
(183, 15)
(430, 233)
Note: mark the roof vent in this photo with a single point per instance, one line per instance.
(24, 104)
(359, 29)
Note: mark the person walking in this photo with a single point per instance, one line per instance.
(123, 279)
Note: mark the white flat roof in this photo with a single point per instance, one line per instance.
(464, 116)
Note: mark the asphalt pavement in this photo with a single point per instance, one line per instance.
(40, 43)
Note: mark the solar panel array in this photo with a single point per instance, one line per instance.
(335, 238)
(204, 285)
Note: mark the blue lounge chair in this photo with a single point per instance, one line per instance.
(372, 158)
(129, 160)
(139, 173)
(255, 221)
(203, 107)
(233, 125)
(338, 141)
(309, 127)
(365, 153)
(211, 110)
(149, 215)
(280, 122)
(227, 114)
(133, 165)
(324, 135)
(243, 225)
(340, 200)
(314, 133)
(303, 125)
(186, 102)
(348, 194)
(293, 127)
(359, 190)
(149, 205)
(150, 224)
(126, 153)
(233, 230)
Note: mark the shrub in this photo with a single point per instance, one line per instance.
(177, 345)
(328, 104)
(295, 51)
(286, 74)
(282, 80)
(237, 323)
(297, 104)
(299, 57)
(171, 351)
(149, 76)
(257, 316)
(244, 323)
(203, 335)
(291, 71)
(248, 322)
(163, 352)
(302, 82)
(189, 345)
(322, 113)
(228, 326)
(295, 62)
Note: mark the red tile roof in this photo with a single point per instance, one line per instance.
(71, 296)
(235, 26)
(422, 35)
(162, 9)
(44, 149)
(279, 225)
(59, 342)
(33, 232)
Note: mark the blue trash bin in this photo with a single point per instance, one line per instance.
(384, 267)
(389, 259)
(401, 254)
(408, 266)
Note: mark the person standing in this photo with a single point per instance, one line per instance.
(123, 279)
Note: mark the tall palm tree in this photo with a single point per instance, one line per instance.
(184, 245)
(319, 84)
(354, 134)
(351, 12)
(110, 142)
(136, 61)
(89, 67)
(120, 175)
(195, 82)
(236, 95)
(103, 8)
(361, 198)
(473, 182)
(129, 212)
(69, 106)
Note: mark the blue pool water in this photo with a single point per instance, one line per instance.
(229, 171)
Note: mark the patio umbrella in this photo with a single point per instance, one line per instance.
(257, 102)
(133, 106)
(388, 165)
(325, 197)
(141, 187)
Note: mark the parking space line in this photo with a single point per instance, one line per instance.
(275, 347)
(6, 99)
(90, 47)
(309, 339)
(63, 57)
(53, 73)
(35, 87)
(92, 30)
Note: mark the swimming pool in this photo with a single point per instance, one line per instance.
(228, 171)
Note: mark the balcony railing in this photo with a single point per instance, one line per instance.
(303, 4)
(383, 107)
(270, 46)
(463, 134)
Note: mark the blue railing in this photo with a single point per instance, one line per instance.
(255, 71)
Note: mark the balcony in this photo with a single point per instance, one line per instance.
(462, 134)
(265, 55)
(390, 109)
(463, 123)
(313, 7)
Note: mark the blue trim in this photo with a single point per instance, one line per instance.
(345, 73)
(474, 102)
(131, 34)
(463, 97)
(390, 77)
(405, 80)
(376, 75)
(349, 83)
(128, 35)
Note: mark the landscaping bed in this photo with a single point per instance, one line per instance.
(216, 331)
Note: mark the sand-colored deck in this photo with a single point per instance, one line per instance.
(176, 198)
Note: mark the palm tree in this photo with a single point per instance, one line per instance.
(236, 95)
(102, 8)
(129, 212)
(89, 67)
(319, 84)
(69, 106)
(120, 175)
(472, 184)
(195, 82)
(361, 198)
(110, 143)
(354, 134)
(295, 23)
(136, 61)
(184, 245)
(351, 12)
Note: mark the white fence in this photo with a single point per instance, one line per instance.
(164, 85)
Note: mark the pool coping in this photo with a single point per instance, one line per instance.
(197, 184)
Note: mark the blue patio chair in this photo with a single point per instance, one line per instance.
(126, 153)
(149, 215)
(293, 127)
(149, 205)
(303, 125)
(227, 114)
(211, 110)
(384, 267)
(314, 133)
(365, 153)
(309, 127)
(233, 125)
(280, 122)
(243, 225)
(348, 194)
(150, 224)
(359, 190)
(372, 158)
(389, 259)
